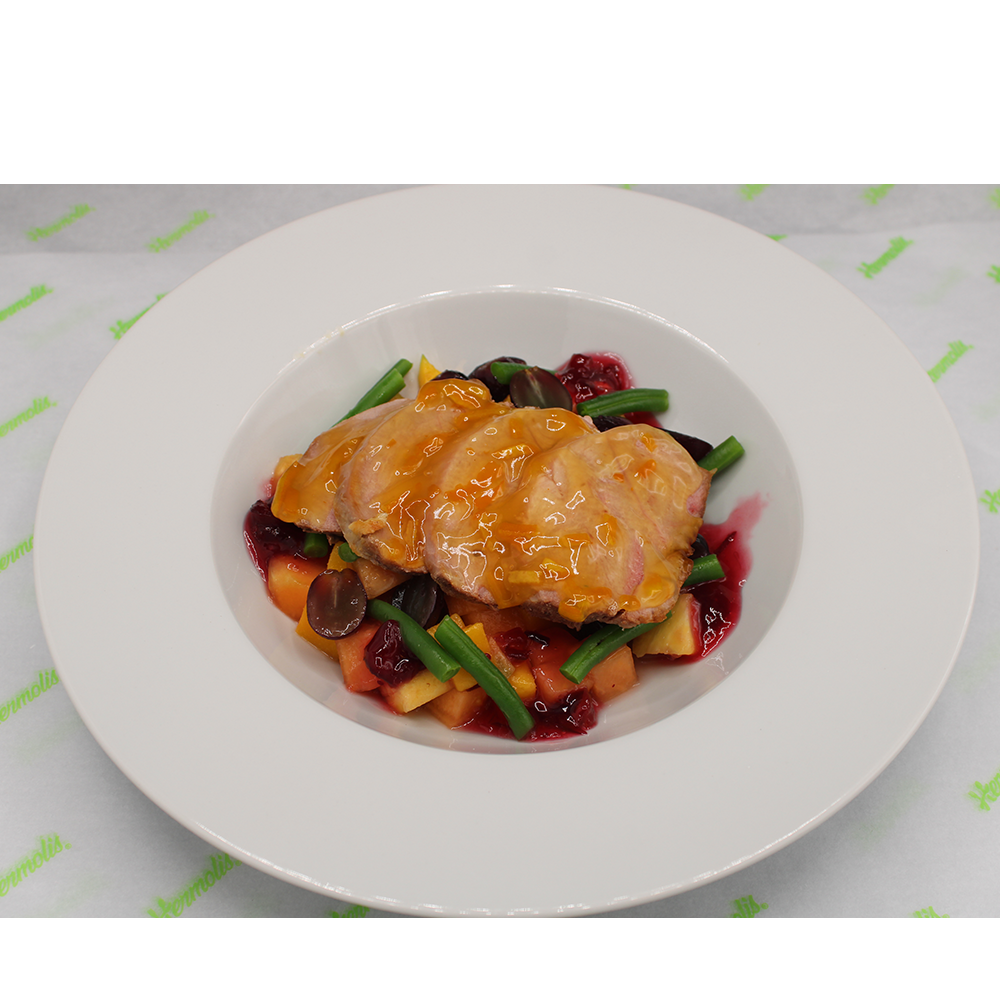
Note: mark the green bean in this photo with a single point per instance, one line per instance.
(490, 679)
(504, 371)
(599, 646)
(723, 456)
(613, 404)
(383, 390)
(316, 545)
(419, 642)
(346, 553)
(703, 569)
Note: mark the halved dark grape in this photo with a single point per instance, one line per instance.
(538, 387)
(449, 373)
(423, 600)
(606, 423)
(699, 548)
(695, 447)
(497, 389)
(336, 603)
(387, 657)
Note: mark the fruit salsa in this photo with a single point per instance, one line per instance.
(500, 550)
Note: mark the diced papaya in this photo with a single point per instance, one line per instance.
(613, 676)
(415, 692)
(546, 661)
(677, 636)
(288, 579)
(456, 708)
(426, 372)
(351, 653)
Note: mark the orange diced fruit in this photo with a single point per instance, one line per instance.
(426, 372)
(351, 653)
(288, 580)
(613, 676)
(522, 680)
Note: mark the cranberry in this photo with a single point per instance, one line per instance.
(267, 536)
(589, 375)
(514, 644)
(575, 712)
(387, 657)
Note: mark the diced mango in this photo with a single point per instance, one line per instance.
(456, 708)
(613, 676)
(522, 680)
(677, 636)
(324, 645)
(415, 692)
(335, 561)
(426, 372)
(463, 680)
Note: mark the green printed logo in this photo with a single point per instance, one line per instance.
(956, 350)
(777, 236)
(221, 864)
(747, 907)
(48, 848)
(124, 325)
(34, 295)
(163, 242)
(46, 679)
(994, 273)
(9, 558)
(980, 792)
(37, 406)
(896, 247)
(995, 197)
(992, 500)
(877, 193)
(354, 911)
(929, 912)
(750, 191)
(79, 211)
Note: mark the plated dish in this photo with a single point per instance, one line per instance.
(193, 685)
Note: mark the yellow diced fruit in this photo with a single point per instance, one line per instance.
(426, 372)
(376, 579)
(463, 680)
(677, 636)
(415, 692)
(304, 629)
(456, 708)
(522, 680)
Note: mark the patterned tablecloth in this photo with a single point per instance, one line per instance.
(79, 266)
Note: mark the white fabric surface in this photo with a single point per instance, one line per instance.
(77, 264)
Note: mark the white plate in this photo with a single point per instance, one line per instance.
(191, 682)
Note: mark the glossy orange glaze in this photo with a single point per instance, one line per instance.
(509, 506)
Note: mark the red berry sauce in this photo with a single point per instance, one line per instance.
(590, 375)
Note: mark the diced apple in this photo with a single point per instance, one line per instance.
(613, 676)
(288, 579)
(376, 579)
(677, 636)
(456, 708)
(415, 692)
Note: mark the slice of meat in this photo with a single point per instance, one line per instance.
(389, 483)
(510, 506)
(305, 494)
(598, 528)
